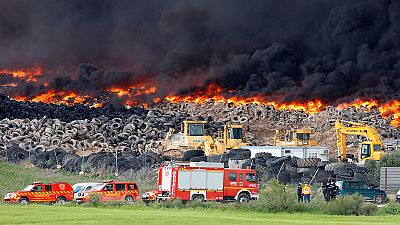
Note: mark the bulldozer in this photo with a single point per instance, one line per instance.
(193, 137)
(371, 149)
(294, 137)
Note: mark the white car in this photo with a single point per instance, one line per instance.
(398, 196)
(81, 187)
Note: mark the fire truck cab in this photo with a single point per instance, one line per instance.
(206, 181)
(59, 192)
(111, 191)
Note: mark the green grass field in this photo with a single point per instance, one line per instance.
(16, 177)
(52, 214)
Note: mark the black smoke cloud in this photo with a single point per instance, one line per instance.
(286, 50)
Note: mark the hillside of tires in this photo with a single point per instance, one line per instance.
(116, 138)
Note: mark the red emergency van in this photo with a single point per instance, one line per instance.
(203, 181)
(110, 191)
(59, 192)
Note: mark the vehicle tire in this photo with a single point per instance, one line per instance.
(198, 198)
(308, 162)
(260, 168)
(239, 154)
(188, 154)
(198, 159)
(243, 198)
(344, 171)
(379, 199)
(61, 200)
(129, 200)
(332, 166)
(293, 161)
(24, 201)
(263, 155)
(260, 161)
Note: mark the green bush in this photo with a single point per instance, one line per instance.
(368, 209)
(277, 197)
(94, 200)
(392, 208)
(345, 205)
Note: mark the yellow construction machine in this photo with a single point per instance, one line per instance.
(294, 137)
(193, 136)
(372, 149)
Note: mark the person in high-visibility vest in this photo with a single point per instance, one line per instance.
(306, 193)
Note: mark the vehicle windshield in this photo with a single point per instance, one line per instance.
(78, 188)
(98, 187)
(235, 133)
(196, 130)
(303, 136)
(28, 188)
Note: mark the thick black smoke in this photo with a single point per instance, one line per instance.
(287, 49)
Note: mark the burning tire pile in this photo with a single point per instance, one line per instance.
(78, 138)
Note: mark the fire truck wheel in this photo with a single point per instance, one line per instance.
(24, 201)
(129, 200)
(243, 198)
(61, 200)
(198, 198)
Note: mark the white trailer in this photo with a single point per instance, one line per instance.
(302, 152)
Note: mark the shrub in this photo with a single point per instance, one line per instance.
(345, 205)
(94, 200)
(392, 208)
(277, 198)
(368, 209)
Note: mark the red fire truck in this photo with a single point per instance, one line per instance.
(205, 181)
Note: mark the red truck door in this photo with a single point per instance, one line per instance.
(50, 196)
(231, 184)
(37, 194)
(108, 193)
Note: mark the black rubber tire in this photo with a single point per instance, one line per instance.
(260, 161)
(332, 166)
(293, 161)
(188, 154)
(239, 154)
(261, 169)
(290, 169)
(129, 200)
(24, 201)
(243, 198)
(263, 155)
(61, 200)
(198, 198)
(308, 162)
(344, 171)
(199, 159)
(379, 199)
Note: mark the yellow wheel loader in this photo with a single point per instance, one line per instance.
(294, 137)
(193, 137)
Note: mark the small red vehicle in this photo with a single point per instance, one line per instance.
(59, 192)
(203, 181)
(110, 191)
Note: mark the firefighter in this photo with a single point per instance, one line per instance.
(334, 191)
(324, 187)
(306, 191)
(299, 193)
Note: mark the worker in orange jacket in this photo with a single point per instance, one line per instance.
(306, 191)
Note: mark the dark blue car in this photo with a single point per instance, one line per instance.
(370, 194)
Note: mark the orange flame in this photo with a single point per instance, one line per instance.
(28, 74)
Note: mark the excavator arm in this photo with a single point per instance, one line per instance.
(355, 129)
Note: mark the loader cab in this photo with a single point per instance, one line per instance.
(234, 136)
(193, 133)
